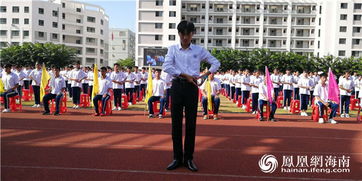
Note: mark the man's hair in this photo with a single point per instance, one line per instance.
(56, 68)
(158, 70)
(186, 27)
(323, 75)
(143, 68)
(7, 66)
(103, 68)
(116, 64)
(77, 63)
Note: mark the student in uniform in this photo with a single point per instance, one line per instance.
(215, 92)
(304, 84)
(57, 85)
(21, 76)
(296, 78)
(105, 85)
(311, 89)
(85, 82)
(90, 76)
(76, 77)
(287, 81)
(11, 83)
(144, 78)
(245, 87)
(237, 85)
(275, 78)
(129, 84)
(117, 77)
(137, 82)
(158, 94)
(255, 82)
(321, 96)
(27, 80)
(69, 84)
(263, 99)
(168, 79)
(35, 76)
(345, 88)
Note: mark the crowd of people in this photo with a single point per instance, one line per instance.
(308, 87)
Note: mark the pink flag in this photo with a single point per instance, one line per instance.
(333, 89)
(269, 85)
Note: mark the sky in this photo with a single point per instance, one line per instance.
(122, 13)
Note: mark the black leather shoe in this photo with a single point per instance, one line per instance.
(191, 165)
(174, 164)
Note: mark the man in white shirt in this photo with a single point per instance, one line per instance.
(304, 84)
(69, 82)
(35, 76)
(158, 94)
(27, 80)
(237, 84)
(275, 78)
(57, 85)
(287, 81)
(183, 62)
(137, 83)
(85, 82)
(76, 77)
(144, 78)
(21, 76)
(311, 89)
(105, 85)
(11, 82)
(245, 87)
(215, 91)
(295, 85)
(263, 99)
(321, 96)
(129, 84)
(90, 76)
(345, 87)
(254, 83)
(117, 77)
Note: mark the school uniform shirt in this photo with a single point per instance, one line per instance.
(347, 84)
(131, 77)
(36, 74)
(119, 77)
(358, 85)
(104, 85)
(167, 78)
(296, 80)
(27, 73)
(306, 82)
(158, 87)
(232, 80)
(256, 81)
(245, 79)
(321, 92)
(63, 73)
(21, 75)
(69, 74)
(57, 84)
(288, 79)
(9, 80)
(237, 81)
(144, 76)
(275, 78)
(215, 87)
(77, 74)
(90, 75)
(188, 60)
(263, 92)
(84, 81)
(138, 78)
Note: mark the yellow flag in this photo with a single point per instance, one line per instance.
(95, 81)
(1, 86)
(208, 91)
(44, 81)
(149, 89)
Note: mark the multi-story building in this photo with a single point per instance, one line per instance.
(307, 27)
(79, 25)
(121, 45)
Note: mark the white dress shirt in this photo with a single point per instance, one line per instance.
(321, 92)
(77, 74)
(187, 61)
(36, 74)
(256, 81)
(119, 77)
(9, 81)
(27, 73)
(305, 82)
(104, 85)
(215, 86)
(263, 95)
(245, 79)
(288, 79)
(57, 84)
(138, 78)
(347, 84)
(21, 76)
(144, 76)
(130, 77)
(158, 87)
(275, 78)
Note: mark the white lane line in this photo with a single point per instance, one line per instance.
(165, 173)
(169, 133)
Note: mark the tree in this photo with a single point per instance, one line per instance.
(128, 62)
(28, 54)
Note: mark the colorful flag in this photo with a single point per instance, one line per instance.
(149, 89)
(44, 81)
(208, 91)
(269, 85)
(95, 81)
(1, 86)
(333, 89)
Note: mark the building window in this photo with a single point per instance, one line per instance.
(357, 17)
(101, 32)
(158, 37)
(3, 32)
(343, 29)
(91, 19)
(91, 29)
(102, 22)
(343, 17)
(63, 15)
(55, 13)
(3, 9)
(158, 25)
(342, 41)
(79, 21)
(2, 20)
(171, 25)
(356, 29)
(41, 10)
(172, 14)
(15, 33)
(16, 9)
(26, 9)
(63, 5)
(55, 25)
(357, 6)
(15, 21)
(344, 5)
(26, 33)
(78, 10)
(172, 2)
(341, 53)
(171, 37)
(159, 2)
(63, 26)
(41, 23)
(54, 36)
(159, 13)
(355, 41)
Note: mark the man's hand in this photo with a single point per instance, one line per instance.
(189, 78)
(104, 95)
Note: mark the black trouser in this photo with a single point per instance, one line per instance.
(232, 92)
(183, 95)
(276, 93)
(76, 95)
(49, 97)
(20, 90)
(85, 88)
(137, 90)
(104, 102)
(129, 93)
(255, 97)
(245, 96)
(311, 97)
(69, 87)
(345, 101)
(287, 97)
(90, 91)
(304, 101)
(117, 94)
(36, 90)
(238, 93)
(168, 95)
(27, 84)
(143, 89)
(296, 93)
(154, 99)
(6, 96)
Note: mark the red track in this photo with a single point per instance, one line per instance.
(129, 146)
